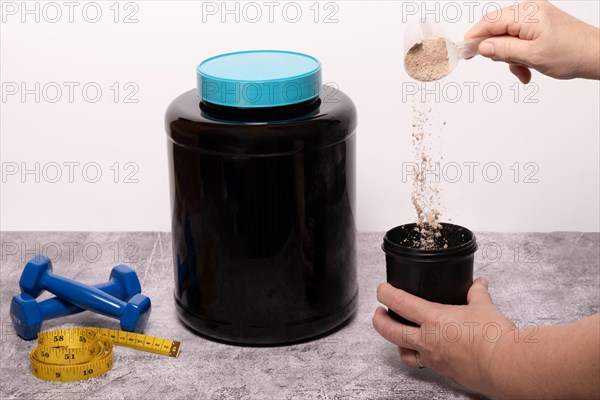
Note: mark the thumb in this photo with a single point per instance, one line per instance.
(479, 292)
(509, 49)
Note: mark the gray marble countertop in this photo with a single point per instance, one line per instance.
(535, 278)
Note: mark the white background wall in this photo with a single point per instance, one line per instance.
(153, 60)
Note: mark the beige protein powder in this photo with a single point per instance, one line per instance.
(427, 60)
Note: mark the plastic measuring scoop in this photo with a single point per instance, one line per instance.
(418, 30)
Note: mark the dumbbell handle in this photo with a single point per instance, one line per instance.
(56, 308)
(82, 295)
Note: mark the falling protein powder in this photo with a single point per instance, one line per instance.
(426, 194)
(428, 60)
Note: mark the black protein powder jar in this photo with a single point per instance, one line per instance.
(262, 177)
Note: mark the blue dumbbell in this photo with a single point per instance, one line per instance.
(27, 314)
(37, 276)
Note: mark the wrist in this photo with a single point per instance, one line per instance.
(499, 364)
(590, 68)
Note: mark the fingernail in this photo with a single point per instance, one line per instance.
(486, 49)
(482, 281)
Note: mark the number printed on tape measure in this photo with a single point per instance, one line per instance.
(143, 342)
(83, 353)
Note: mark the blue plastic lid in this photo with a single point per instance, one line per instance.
(259, 78)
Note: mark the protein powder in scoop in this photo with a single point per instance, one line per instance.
(428, 60)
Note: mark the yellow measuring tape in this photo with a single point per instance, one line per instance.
(81, 353)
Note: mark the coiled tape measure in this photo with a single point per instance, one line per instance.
(81, 353)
